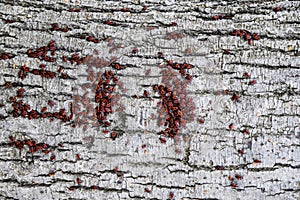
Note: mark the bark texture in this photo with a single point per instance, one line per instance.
(240, 127)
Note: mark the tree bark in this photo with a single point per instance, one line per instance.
(232, 66)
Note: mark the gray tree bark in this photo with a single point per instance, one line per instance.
(239, 131)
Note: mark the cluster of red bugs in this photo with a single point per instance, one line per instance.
(21, 109)
(171, 80)
(171, 106)
(83, 109)
(103, 97)
(234, 180)
(74, 59)
(24, 70)
(56, 28)
(222, 16)
(32, 145)
(5, 56)
(89, 38)
(181, 68)
(117, 66)
(247, 76)
(247, 35)
(41, 52)
(277, 9)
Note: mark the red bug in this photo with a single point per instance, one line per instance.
(146, 94)
(171, 195)
(115, 169)
(134, 50)
(277, 8)
(240, 151)
(78, 156)
(235, 97)
(94, 187)
(233, 185)
(216, 17)
(50, 103)
(51, 173)
(238, 177)
(246, 75)
(230, 178)
(147, 190)
(78, 181)
(252, 82)
(256, 161)
(201, 121)
(231, 127)
(72, 188)
(52, 157)
(250, 42)
(160, 54)
(144, 8)
(113, 135)
(143, 146)
(163, 140)
(44, 109)
(255, 36)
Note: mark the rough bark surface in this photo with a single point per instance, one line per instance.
(240, 131)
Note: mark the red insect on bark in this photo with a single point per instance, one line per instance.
(255, 36)
(238, 177)
(240, 151)
(215, 17)
(113, 135)
(252, 82)
(163, 140)
(231, 127)
(72, 188)
(235, 97)
(146, 94)
(50, 103)
(78, 181)
(115, 169)
(147, 190)
(256, 161)
(52, 157)
(277, 9)
(201, 121)
(94, 187)
(171, 195)
(233, 185)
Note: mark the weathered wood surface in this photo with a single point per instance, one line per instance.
(200, 161)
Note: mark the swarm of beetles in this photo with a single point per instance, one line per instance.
(41, 52)
(171, 105)
(181, 68)
(21, 109)
(103, 97)
(32, 145)
(247, 35)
